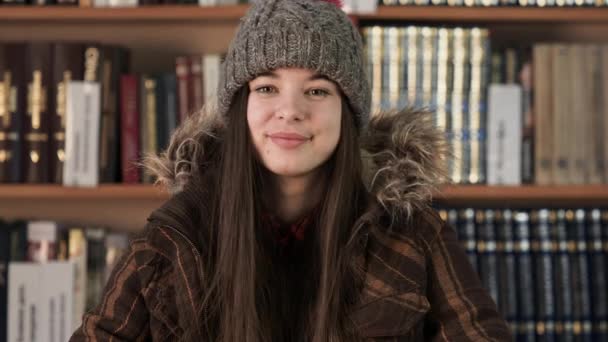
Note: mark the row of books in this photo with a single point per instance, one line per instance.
(506, 138)
(137, 112)
(547, 269)
(494, 3)
(118, 3)
(50, 274)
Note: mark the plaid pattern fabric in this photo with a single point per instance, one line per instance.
(419, 286)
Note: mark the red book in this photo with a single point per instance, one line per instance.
(182, 71)
(195, 88)
(129, 120)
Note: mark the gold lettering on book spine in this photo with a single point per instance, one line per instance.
(91, 64)
(36, 99)
(62, 96)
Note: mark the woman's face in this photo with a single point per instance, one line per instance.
(294, 120)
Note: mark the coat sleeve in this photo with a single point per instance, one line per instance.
(461, 309)
(122, 314)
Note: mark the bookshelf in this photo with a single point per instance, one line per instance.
(127, 206)
(165, 32)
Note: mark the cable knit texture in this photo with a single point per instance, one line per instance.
(309, 34)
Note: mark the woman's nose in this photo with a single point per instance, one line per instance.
(292, 107)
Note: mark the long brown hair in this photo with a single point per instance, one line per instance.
(240, 303)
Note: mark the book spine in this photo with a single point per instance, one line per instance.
(527, 140)
(148, 121)
(469, 236)
(444, 73)
(580, 103)
(542, 254)
(37, 121)
(96, 254)
(412, 35)
(525, 278)
(428, 62)
(562, 111)
(78, 255)
(504, 134)
(543, 109)
(593, 128)
(211, 73)
(562, 278)
(24, 301)
(577, 247)
(109, 128)
(487, 254)
(162, 135)
(171, 102)
(393, 51)
(387, 51)
(195, 86)
(182, 71)
(599, 276)
(479, 69)
(458, 136)
(67, 66)
(129, 129)
(507, 284)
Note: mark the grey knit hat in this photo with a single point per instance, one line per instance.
(311, 34)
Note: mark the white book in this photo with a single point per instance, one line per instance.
(211, 75)
(58, 280)
(81, 166)
(504, 154)
(360, 6)
(24, 285)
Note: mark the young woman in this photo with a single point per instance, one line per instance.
(279, 228)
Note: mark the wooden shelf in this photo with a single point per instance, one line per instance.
(126, 207)
(172, 13)
(523, 196)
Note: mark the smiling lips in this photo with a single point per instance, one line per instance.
(288, 140)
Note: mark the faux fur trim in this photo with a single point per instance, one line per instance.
(403, 152)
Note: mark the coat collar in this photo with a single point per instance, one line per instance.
(403, 156)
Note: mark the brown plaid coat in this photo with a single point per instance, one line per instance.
(419, 284)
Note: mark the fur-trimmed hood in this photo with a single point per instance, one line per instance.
(403, 155)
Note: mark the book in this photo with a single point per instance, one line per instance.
(42, 241)
(543, 109)
(129, 120)
(36, 128)
(82, 134)
(504, 134)
(5, 258)
(148, 121)
(68, 65)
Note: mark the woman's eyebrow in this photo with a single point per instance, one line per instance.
(319, 77)
(268, 74)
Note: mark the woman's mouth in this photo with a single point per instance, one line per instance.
(288, 140)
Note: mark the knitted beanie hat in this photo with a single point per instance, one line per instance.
(311, 34)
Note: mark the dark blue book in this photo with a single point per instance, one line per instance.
(507, 284)
(468, 232)
(598, 262)
(525, 279)
(486, 248)
(581, 298)
(562, 279)
(542, 255)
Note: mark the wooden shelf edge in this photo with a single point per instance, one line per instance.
(566, 195)
(594, 193)
(103, 192)
(440, 14)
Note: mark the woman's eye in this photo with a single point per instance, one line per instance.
(319, 92)
(264, 89)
